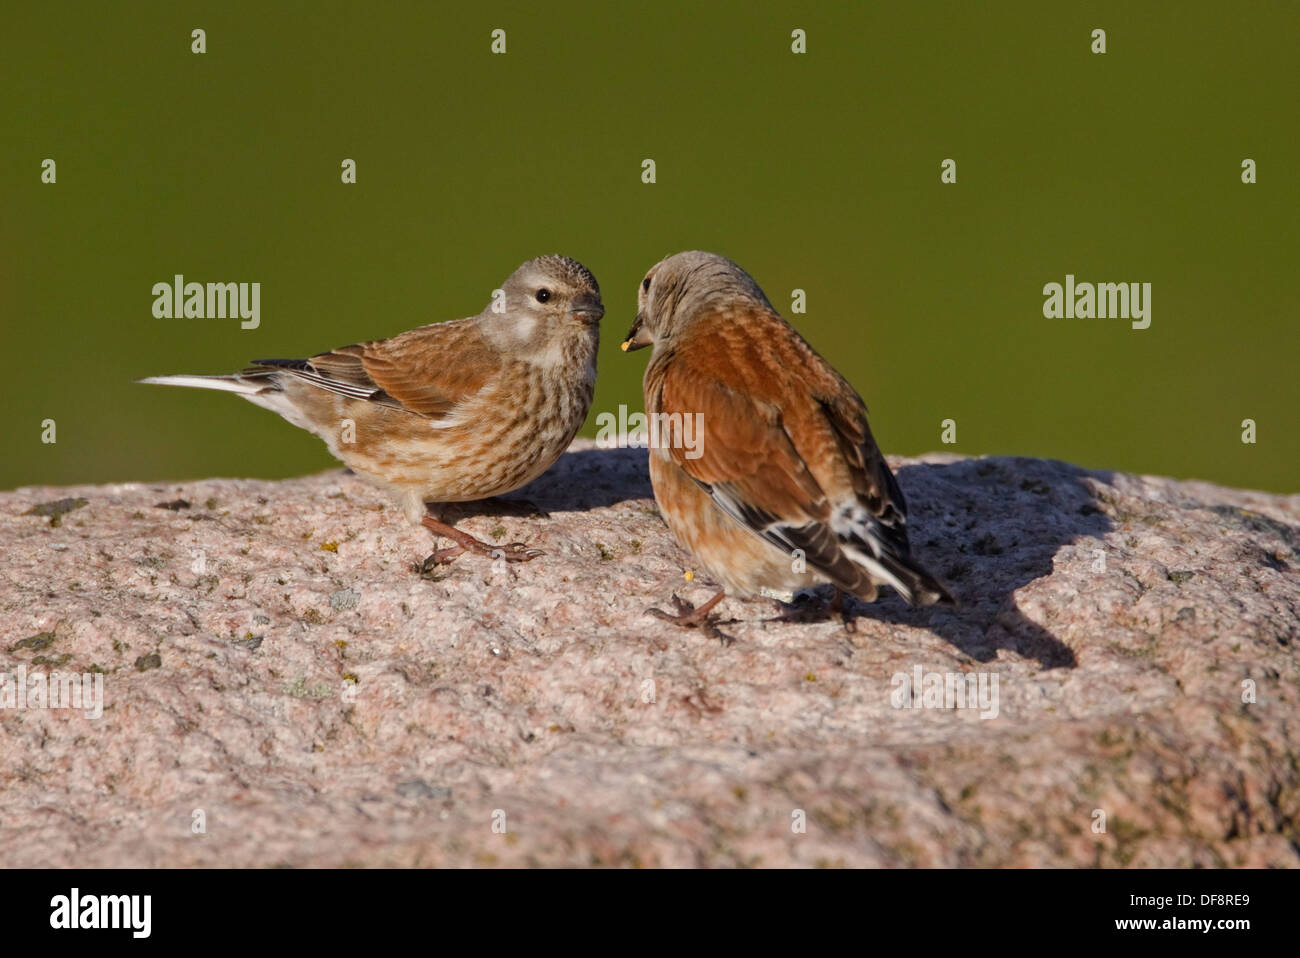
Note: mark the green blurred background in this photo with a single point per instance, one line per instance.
(818, 171)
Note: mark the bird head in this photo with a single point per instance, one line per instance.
(544, 299)
(683, 287)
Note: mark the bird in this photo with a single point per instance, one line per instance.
(782, 487)
(451, 411)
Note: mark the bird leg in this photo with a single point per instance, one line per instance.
(838, 607)
(690, 617)
(512, 552)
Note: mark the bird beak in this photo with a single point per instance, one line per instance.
(588, 309)
(638, 337)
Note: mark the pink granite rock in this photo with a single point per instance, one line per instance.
(280, 687)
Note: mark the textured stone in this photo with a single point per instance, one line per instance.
(273, 657)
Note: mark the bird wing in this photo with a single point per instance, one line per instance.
(874, 487)
(427, 371)
(785, 448)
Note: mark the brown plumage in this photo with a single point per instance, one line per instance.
(452, 411)
(787, 487)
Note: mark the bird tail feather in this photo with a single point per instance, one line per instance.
(233, 384)
(913, 583)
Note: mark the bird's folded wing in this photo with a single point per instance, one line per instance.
(743, 456)
(873, 482)
(785, 448)
(427, 371)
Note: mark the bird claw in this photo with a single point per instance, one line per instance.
(430, 567)
(514, 552)
(464, 542)
(689, 617)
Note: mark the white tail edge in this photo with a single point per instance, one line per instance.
(225, 383)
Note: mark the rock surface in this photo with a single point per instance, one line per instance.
(281, 688)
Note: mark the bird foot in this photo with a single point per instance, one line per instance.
(431, 567)
(464, 542)
(443, 556)
(513, 552)
(839, 606)
(690, 617)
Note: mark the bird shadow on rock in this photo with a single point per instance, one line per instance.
(582, 479)
(987, 527)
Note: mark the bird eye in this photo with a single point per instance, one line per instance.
(645, 284)
(543, 294)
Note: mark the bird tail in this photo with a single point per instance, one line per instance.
(859, 557)
(878, 554)
(246, 385)
(912, 582)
